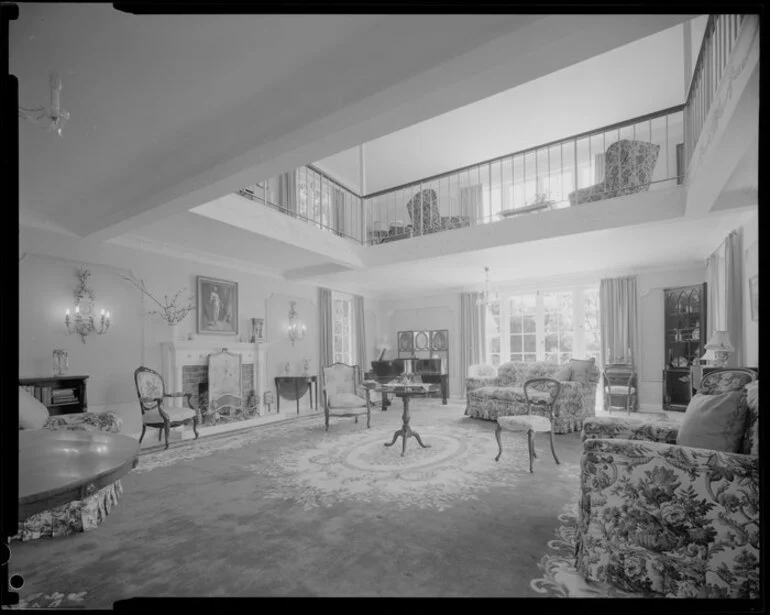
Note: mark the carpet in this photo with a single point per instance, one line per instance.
(288, 509)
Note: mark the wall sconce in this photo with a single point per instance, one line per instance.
(297, 329)
(84, 310)
(718, 349)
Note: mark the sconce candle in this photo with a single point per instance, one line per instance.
(84, 322)
(296, 329)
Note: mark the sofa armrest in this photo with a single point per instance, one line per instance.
(86, 421)
(629, 429)
(477, 383)
(675, 521)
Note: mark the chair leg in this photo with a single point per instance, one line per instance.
(553, 450)
(534, 450)
(368, 417)
(356, 417)
(166, 429)
(195, 426)
(499, 441)
(160, 433)
(531, 440)
(144, 428)
(326, 418)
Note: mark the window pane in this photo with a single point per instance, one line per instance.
(530, 358)
(515, 324)
(495, 345)
(529, 343)
(551, 342)
(515, 343)
(530, 323)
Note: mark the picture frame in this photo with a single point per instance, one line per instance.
(257, 330)
(754, 296)
(217, 304)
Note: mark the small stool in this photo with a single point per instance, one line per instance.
(532, 423)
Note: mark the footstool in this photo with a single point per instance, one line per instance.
(532, 423)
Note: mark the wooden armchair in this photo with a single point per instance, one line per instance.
(151, 391)
(620, 386)
(344, 394)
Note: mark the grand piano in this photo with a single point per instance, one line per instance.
(432, 371)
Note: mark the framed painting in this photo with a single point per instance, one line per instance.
(754, 296)
(217, 306)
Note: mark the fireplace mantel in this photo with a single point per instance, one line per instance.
(177, 354)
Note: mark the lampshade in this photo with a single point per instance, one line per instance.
(720, 340)
(709, 355)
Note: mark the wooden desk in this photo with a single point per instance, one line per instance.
(294, 387)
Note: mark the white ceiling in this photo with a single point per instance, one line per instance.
(644, 76)
(563, 259)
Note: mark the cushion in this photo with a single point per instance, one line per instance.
(346, 400)
(524, 423)
(564, 374)
(751, 434)
(581, 369)
(619, 389)
(32, 413)
(174, 414)
(714, 422)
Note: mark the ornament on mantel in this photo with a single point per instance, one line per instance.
(306, 367)
(287, 368)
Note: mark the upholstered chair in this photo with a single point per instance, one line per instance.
(629, 166)
(344, 395)
(151, 391)
(426, 218)
(668, 520)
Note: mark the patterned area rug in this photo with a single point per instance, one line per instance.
(292, 510)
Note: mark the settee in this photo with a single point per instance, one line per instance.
(667, 520)
(78, 515)
(628, 165)
(503, 395)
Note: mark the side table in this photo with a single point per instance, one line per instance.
(294, 387)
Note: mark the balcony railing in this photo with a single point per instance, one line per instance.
(314, 197)
(718, 41)
(645, 153)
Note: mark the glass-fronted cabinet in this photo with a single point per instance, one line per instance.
(685, 325)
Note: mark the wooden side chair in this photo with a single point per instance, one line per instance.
(533, 423)
(619, 381)
(343, 393)
(151, 391)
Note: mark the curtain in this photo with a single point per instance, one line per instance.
(724, 291)
(471, 201)
(619, 323)
(287, 191)
(360, 333)
(472, 338)
(338, 210)
(326, 332)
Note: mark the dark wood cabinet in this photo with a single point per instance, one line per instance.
(685, 331)
(60, 394)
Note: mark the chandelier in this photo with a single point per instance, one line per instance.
(486, 298)
(51, 117)
(84, 323)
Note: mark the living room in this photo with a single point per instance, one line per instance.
(268, 254)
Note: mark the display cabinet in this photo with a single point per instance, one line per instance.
(686, 335)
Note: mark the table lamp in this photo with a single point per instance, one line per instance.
(718, 349)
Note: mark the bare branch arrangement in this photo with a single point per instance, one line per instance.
(170, 310)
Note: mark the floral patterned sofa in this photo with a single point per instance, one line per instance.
(503, 395)
(79, 515)
(665, 520)
(628, 169)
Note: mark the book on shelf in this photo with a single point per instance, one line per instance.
(59, 393)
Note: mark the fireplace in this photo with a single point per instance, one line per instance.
(185, 369)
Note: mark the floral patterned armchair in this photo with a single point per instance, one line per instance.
(629, 167)
(666, 520)
(344, 393)
(425, 215)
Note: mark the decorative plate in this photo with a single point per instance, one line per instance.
(421, 340)
(439, 340)
(681, 362)
(405, 340)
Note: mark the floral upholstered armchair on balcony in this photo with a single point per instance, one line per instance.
(503, 395)
(425, 215)
(628, 169)
(674, 520)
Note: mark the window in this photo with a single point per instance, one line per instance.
(548, 326)
(343, 329)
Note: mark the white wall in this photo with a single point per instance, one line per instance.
(426, 312)
(47, 280)
(750, 269)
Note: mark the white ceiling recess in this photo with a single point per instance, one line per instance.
(641, 77)
(559, 259)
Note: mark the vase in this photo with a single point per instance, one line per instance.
(176, 333)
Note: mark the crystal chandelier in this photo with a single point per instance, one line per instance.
(486, 297)
(84, 311)
(52, 117)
